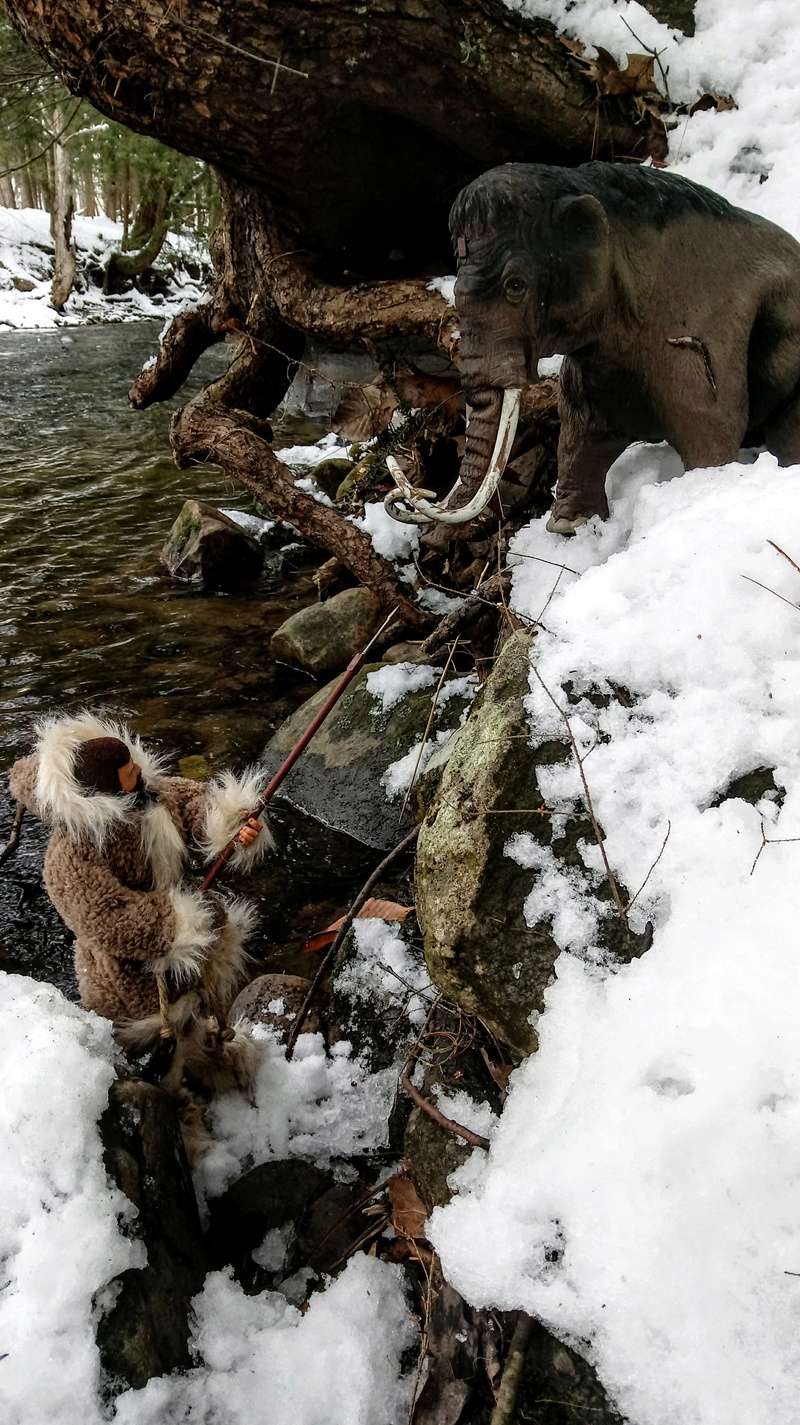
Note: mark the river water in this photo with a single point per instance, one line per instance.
(88, 493)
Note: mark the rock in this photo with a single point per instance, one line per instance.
(207, 545)
(268, 1197)
(406, 653)
(324, 637)
(274, 1000)
(470, 896)
(23, 284)
(369, 1009)
(677, 13)
(330, 474)
(144, 1331)
(337, 781)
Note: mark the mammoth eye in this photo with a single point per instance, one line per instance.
(515, 288)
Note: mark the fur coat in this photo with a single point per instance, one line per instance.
(120, 878)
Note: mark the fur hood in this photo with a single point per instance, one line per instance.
(60, 800)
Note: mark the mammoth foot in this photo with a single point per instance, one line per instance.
(563, 524)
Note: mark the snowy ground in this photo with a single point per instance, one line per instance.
(26, 261)
(641, 1193)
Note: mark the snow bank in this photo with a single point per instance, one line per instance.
(59, 1238)
(394, 681)
(641, 1192)
(340, 1362)
(751, 51)
(26, 260)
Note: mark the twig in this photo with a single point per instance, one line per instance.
(505, 1405)
(769, 841)
(635, 898)
(768, 590)
(423, 743)
(449, 1124)
(13, 836)
(334, 948)
(598, 835)
(786, 556)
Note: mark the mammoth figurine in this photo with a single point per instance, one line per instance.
(677, 313)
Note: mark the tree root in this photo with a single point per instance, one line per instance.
(204, 430)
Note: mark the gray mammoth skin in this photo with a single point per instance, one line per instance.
(678, 314)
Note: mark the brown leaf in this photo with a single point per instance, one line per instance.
(422, 392)
(409, 1213)
(636, 78)
(364, 411)
(374, 908)
(721, 102)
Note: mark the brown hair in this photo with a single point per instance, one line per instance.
(97, 763)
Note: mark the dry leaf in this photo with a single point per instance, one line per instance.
(636, 78)
(364, 411)
(409, 1213)
(374, 908)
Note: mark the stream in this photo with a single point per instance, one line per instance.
(88, 493)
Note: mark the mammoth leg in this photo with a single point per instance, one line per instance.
(782, 433)
(585, 454)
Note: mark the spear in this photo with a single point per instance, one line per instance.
(299, 747)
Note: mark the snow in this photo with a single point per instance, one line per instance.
(315, 1106)
(446, 287)
(395, 681)
(26, 254)
(263, 1359)
(389, 537)
(330, 447)
(384, 971)
(399, 775)
(59, 1239)
(640, 1196)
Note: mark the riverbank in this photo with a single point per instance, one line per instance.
(175, 281)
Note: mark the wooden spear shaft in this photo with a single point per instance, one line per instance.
(286, 766)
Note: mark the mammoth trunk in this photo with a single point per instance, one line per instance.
(491, 427)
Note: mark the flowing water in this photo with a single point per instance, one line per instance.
(88, 493)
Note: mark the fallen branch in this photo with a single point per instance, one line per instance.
(333, 950)
(456, 623)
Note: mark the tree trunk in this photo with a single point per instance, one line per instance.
(61, 213)
(26, 195)
(148, 235)
(340, 135)
(7, 198)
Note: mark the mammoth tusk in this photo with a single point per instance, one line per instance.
(422, 512)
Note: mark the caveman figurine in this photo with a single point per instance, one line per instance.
(117, 869)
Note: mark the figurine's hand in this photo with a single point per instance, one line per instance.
(251, 831)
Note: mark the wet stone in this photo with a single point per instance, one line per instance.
(206, 545)
(324, 637)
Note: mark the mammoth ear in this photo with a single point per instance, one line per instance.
(581, 221)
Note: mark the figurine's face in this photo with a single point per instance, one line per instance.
(129, 776)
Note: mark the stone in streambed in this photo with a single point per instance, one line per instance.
(324, 637)
(206, 545)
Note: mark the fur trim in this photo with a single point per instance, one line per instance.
(163, 846)
(140, 1034)
(228, 967)
(194, 936)
(60, 799)
(226, 797)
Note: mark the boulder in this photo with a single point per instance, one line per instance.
(271, 1196)
(369, 1006)
(470, 895)
(338, 781)
(274, 1000)
(144, 1331)
(206, 545)
(324, 637)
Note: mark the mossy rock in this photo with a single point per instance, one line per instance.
(479, 949)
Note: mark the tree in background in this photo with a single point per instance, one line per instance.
(59, 155)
